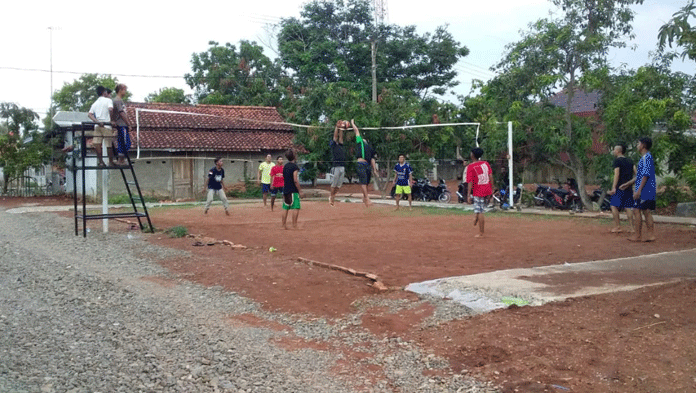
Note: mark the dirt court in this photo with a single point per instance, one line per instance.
(639, 341)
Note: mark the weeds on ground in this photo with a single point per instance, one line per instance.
(177, 231)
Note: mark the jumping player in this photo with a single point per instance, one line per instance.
(644, 194)
(265, 177)
(276, 180)
(215, 185)
(479, 175)
(291, 190)
(366, 163)
(338, 153)
(403, 178)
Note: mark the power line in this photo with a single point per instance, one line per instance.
(82, 73)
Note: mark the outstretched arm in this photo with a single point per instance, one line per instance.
(335, 135)
(355, 128)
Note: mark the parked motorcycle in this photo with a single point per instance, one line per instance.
(501, 196)
(462, 191)
(606, 201)
(559, 198)
(422, 190)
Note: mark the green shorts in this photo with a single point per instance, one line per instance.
(291, 201)
(402, 189)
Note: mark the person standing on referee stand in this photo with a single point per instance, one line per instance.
(403, 178)
(215, 185)
(622, 196)
(277, 182)
(100, 113)
(291, 190)
(366, 162)
(338, 154)
(479, 175)
(265, 177)
(120, 120)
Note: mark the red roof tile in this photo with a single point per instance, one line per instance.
(208, 127)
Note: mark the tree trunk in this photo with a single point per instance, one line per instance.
(579, 170)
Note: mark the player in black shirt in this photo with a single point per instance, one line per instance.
(291, 189)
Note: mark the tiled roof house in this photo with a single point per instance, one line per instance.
(177, 143)
(584, 104)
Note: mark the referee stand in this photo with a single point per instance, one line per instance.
(79, 159)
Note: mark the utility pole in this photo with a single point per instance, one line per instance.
(380, 7)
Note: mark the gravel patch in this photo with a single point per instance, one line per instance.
(77, 315)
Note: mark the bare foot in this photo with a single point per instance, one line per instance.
(616, 230)
(479, 236)
(633, 239)
(226, 212)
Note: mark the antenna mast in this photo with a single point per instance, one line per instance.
(381, 16)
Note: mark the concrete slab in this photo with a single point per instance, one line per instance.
(487, 291)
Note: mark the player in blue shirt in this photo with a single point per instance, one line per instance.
(403, 177)
(644, 193)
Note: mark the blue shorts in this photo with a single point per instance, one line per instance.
(276, 190)
(644, 205)
(265, 188)
(363, 170)
(622, 199)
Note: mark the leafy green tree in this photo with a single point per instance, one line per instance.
(678, 31)
(225, 75)
(561, 53)
(652, 98)
(81, 93)
(171, 95)
(22, 146)
(331, 40)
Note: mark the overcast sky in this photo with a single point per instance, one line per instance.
(148, 44)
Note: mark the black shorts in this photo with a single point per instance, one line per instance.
(644, 205)
(364, 173)
(276, 190)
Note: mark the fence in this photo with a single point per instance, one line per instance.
(42, 182)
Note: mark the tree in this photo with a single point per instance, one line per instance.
(170, 95)
(652, 98)
(224, 75)
(21, 147)
(79, 95)
(562, 53)
(330, 42)
(678, 31)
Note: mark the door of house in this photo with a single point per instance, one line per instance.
(183, 173)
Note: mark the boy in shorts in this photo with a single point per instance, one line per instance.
(291, 190)
(277, 182)
(644, 193)
(622, 197)
(265, 177)
(366, 162)
(479, 175)
(100, 113)
(403, 178)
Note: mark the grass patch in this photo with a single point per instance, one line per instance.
(177, 231)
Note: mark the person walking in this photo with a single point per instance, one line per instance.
(338, 154)
(277, 181)
(479, 176)
(644, 193)
(403, 178)
(291, 190)
(215, 185)
(265, 177)
(621, 194)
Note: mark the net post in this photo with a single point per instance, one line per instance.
(511, 192)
